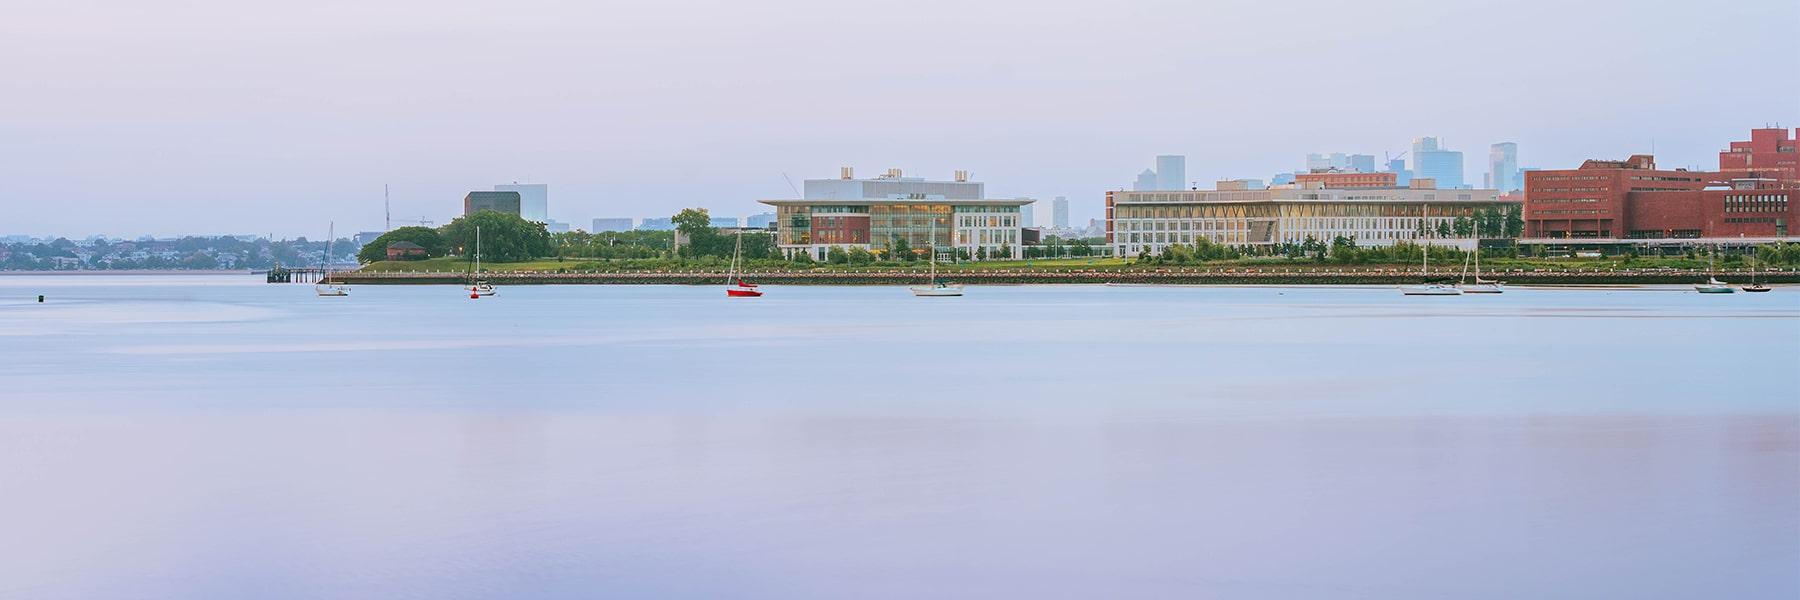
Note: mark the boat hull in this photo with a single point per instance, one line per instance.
(1714, 289)
(937, 291)
(1430, 290)
(1483, 288)
(737, 292)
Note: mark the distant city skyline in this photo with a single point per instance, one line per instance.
(127, 119)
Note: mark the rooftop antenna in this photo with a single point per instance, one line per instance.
(790, 182)
(387, 210)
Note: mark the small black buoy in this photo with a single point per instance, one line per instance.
(40, 298)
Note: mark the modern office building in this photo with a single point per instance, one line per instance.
(1171, 172)
(534, 200)
(1027, 217)
(760, 220)
(1402, 175)
(1503, 166)
(1059, 212)
(657, 224)
(1363, 163)
(1151, 221)
(611, 224)
(1146, 181)
(555, 226)
(1332, 178)
(506, 202)
(1631, 201)
(1432, 160)
(925, 213)
(723, 222)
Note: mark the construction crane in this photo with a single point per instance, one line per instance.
(790, 182)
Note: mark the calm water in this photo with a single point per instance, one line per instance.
(216, 437)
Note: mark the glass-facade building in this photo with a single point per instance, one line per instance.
(979, 227)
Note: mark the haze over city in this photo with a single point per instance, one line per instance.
(129, 118)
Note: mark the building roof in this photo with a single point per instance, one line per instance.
(874, 201)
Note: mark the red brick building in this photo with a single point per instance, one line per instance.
(404, 250)
(1345, 179)
(1750, 197)
(1770, 153)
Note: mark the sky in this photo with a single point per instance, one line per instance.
(127, 118)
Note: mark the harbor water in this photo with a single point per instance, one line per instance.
(219, 437)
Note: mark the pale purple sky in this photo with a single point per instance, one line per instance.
(129, 117)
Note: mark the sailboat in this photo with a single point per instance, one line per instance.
(937, 289)
(1482, 286)
(478, 287)
(1429, 288)
(325, 287)
(1712, 285)
(1754, 286)
(735, 286)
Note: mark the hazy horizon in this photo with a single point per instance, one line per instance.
(210, 117)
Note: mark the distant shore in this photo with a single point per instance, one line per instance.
(1173, 275)
(133, 272)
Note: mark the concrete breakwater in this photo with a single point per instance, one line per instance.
(1170, 275)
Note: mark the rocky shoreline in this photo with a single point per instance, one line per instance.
(1172, 275)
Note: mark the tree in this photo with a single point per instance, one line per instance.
(1443, 229)
(900, 249)
(426, 237)
(837, 256)
(504, 237)
(1464, 227)
(1515, 223)
(691, 221)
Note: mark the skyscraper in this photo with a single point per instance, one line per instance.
(534, 199)
(1146, 182)
(1059, 213)
(1431, 160)
(1503, 166)
(1362, 163)
(1171, 172)
(1026, 218)
(1402, 175)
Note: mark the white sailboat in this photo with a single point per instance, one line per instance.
(1712, 285)
(1429, 288)
(937, 288)
(325, 288)
(478, 287)
(1482, 286)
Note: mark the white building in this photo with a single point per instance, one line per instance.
(1059, 212)
(1151, 221)
(534, 200)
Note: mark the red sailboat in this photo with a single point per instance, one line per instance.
(735, 286)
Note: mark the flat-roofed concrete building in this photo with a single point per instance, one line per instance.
(1151, 221)
(506, 202)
